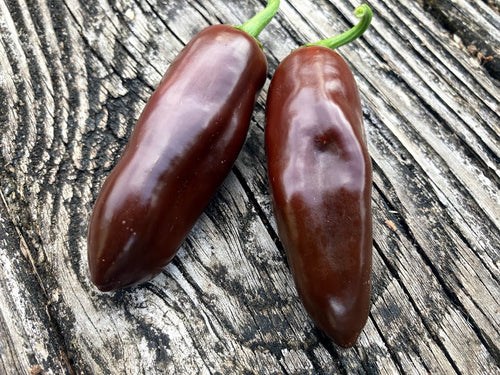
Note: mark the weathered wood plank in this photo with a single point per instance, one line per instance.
(28, 340)
(400, 110)
(74, 78)
(476, 23)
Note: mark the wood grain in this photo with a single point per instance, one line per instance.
(74, 77)
(477, 26)
(28, 337)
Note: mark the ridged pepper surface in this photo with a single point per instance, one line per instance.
(320, 175)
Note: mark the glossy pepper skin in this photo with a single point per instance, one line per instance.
(182, 148)
(320, 176)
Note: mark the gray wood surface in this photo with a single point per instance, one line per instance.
(74, 76)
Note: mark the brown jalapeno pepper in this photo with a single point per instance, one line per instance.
(182, 148)
(320, 176)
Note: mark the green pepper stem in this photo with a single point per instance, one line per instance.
(258, 22)
(364, 13)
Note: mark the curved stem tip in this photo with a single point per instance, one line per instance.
(364, 13)
(258, 22)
